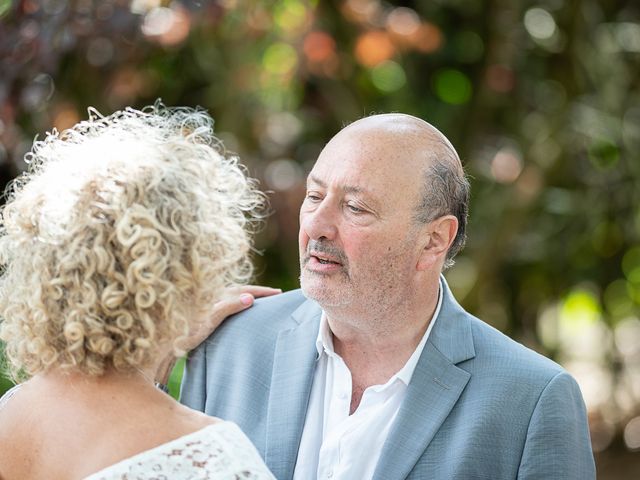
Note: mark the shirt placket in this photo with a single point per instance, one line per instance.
(338, 422)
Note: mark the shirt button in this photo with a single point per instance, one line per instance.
(343, 395)
(330, 474)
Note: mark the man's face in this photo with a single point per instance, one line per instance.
(358, 242)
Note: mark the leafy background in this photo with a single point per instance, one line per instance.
(541, 98)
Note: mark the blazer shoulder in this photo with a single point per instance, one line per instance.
(265, 318)
(494, 348)
(283, 302)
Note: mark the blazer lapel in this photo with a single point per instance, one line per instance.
(291, 380)
(435, 387)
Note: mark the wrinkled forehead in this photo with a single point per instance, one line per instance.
(386, 142)
(377, 164)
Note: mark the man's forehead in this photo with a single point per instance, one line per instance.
(315, 179)
(396, 136)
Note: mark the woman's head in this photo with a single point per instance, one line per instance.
(123, 229)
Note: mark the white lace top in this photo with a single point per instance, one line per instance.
(8, 394)
(220, 451)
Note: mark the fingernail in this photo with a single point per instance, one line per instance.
(246, 298)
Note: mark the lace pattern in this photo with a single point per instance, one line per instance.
(8, 394)
(219, 451)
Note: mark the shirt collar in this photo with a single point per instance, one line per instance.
(324, 343)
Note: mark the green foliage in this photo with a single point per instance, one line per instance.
(541, 100)
(176, 378)
(5, 382)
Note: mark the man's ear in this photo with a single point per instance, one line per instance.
(440, 233)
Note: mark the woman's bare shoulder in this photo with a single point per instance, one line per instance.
(191, 420)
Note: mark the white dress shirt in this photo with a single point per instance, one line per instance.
(339, 446)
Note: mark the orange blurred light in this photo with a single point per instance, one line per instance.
(427, 39)
(373, 48)
(320, 51)
(65, 116)
(319, 47)
(500, 78)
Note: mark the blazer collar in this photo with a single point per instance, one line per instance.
(435, 387)
(291, 380)
(451, 334)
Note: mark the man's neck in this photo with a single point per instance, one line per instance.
(377, 347)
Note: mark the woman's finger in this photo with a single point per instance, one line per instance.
(259, 291)
(234, 301)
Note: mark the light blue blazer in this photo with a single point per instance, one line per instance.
(479, 405)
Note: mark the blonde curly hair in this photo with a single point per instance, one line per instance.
(122, 230)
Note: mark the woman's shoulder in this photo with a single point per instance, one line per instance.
(219, 449)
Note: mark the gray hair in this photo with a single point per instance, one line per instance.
(445, 192)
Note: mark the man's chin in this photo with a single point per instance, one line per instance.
(325, 295)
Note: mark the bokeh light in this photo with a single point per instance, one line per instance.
(5, 6)
(388, 76)
(540, 100)
(539, 23)
(506, 166)
(632, 434)
(452, 86)
(403, 22)
(373, 48)
(283, 174)
(280, 58)
(428, 38)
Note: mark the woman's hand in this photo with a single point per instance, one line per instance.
(233, 301)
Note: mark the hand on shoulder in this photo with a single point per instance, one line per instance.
(233, 301)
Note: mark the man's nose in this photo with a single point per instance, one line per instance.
(320, 222)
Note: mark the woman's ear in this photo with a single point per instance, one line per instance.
(440, 234)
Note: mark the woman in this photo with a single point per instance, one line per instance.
(115, 245)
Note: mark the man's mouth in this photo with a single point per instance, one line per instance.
(325, 261)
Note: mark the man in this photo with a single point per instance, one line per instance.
(374, 370)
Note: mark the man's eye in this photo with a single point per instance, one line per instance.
(354, 209)
(313, 197)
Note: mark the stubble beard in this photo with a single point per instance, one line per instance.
(329, 290)
(368, 299)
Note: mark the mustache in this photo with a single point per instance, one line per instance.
(320, 246)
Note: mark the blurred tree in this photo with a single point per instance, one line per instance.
(540, 98)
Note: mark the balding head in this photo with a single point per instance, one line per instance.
(411, 132)
(414, 145)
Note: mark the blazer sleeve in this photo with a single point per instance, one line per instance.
(558, 444)
(193, 390)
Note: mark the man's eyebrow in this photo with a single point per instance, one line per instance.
(316, 180)
(346, 188)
